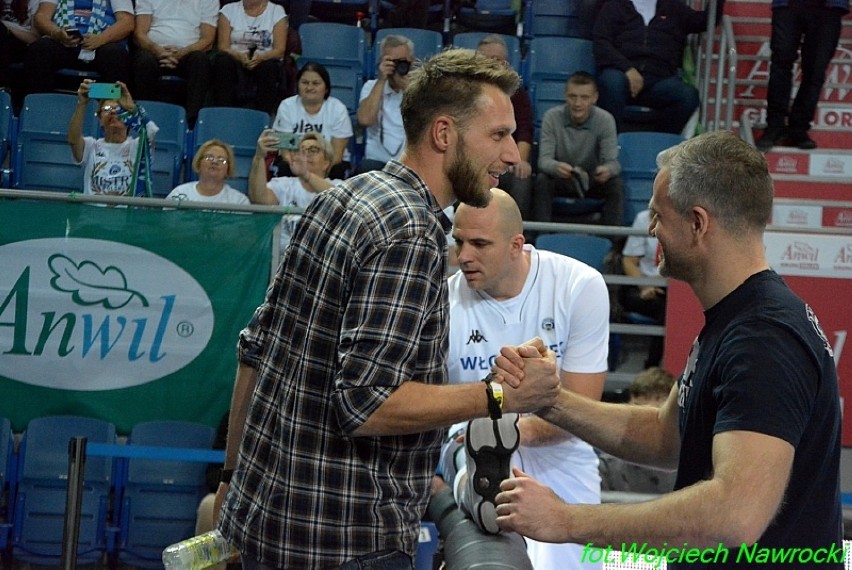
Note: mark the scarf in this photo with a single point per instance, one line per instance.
(140, 183)
(64, 16)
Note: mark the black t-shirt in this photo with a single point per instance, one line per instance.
(763, 364)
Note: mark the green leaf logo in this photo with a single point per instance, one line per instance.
(91, 285)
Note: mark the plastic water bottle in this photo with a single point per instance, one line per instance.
(198, 552)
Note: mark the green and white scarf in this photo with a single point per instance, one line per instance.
(64, 16)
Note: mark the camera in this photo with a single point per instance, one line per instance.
(402, 66)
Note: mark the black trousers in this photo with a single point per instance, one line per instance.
(194, 67)
(45, 56)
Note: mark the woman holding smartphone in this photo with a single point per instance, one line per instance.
(251, 39)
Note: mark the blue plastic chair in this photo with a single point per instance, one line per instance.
(346, 86)
(42, 158)
(334, 45)
(558, 18)
(557, 58)
(470, 40)
(159, 499)
(238, 127)
(589, 249)
(40, 501)
(7, 481)
(426, 44)
(638, 157)
(169, 149)
(6, 123)
(488, 15)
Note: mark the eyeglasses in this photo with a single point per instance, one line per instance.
(110, 108)
(216, 159)
(311, 150)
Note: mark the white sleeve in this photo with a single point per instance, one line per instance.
(210, 12)
(587, 345)
(144, 7)
(121, 6)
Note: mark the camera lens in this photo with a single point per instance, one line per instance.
(403, 66)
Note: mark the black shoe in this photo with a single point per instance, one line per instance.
(802, 140)
(770, 137)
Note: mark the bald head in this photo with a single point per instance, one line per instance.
(502, 211)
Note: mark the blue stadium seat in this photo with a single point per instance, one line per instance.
(334, 45)
(6, 124)
(589, 249)
(471, 39)
(557, 58)
(238, 127)
(159, 499)
(346, 86)
(42, 157)
(169, 151)
(559, 18)
(426, 44)
(489, 16)
(42, 488)
(7, 481)
(637, 154)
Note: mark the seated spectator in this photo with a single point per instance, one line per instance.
(16, 33)
(174, 38)
(313, 110)
(109, 162)
(378, 109)
(213, 162)
(247, 71)
(650, 387)
(518, 181)
(80, 34)
(639, 259)
(310, 166)
(578, 154)
(638, 49)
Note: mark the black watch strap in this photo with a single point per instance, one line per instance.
(495, 410)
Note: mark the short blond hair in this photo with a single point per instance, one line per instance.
(207, 145)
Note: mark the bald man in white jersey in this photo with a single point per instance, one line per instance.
(504, 293)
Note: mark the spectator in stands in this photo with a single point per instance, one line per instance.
(341, 400)
(378, 110)
(16, 33)
(639, 259)
(110, 162)
(578, 154)
(248, 68)
(814, 29)
(213, 162)
(309, 164)
(650, 387)
(314, 110)
(754, 423)
(505, 292)
(79, 34)
(174, 38)
(638, 48)
(518, 181)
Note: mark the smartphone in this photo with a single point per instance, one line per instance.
(104, 91)
(287, 141)
(74, 33)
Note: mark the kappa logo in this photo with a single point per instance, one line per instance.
(476, 337)
(85, 314)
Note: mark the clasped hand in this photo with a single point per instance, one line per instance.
(529, 374)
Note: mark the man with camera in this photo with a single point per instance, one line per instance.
(378, 110)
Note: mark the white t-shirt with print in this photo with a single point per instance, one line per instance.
(332, 120)
(189, 192)
(108, 167)
(176, 23)
(252, 31)
(643, 247)
(289, 192)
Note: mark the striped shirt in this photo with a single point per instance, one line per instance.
(358, 306)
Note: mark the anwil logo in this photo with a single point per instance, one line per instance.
(85, 314)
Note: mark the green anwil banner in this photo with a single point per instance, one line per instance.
(125, 314)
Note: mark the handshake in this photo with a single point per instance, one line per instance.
(529, 375)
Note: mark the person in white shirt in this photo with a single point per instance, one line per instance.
(251, 41)
(505, 292)
(378, 109)
(109, 162)
(310, 165)
(639, 259)
(213, 162)
(314, 110)
(174, 38)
